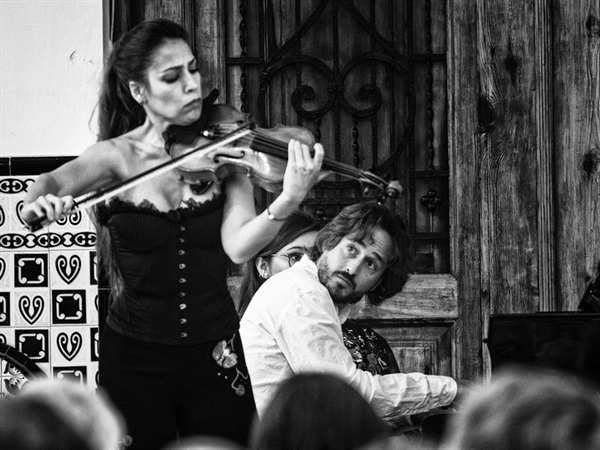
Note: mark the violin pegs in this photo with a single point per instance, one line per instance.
(393, 189)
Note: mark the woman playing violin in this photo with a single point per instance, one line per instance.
(170, 356)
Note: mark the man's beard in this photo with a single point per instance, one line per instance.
(336, 287)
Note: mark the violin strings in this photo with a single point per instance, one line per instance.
(343, 169)
(278, 148)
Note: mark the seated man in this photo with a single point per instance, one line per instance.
(292, 324)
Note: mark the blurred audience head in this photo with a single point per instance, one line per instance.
(204, 443)
(59, 415)
(527, 409)
(317, 411)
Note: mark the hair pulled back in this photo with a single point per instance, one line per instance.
(129, 60)
(118, 112)
(297, 224)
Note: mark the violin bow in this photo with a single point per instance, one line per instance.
(93, 198)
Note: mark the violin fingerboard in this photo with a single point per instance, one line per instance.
(219, 130)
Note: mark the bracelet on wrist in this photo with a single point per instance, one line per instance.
(272, 218)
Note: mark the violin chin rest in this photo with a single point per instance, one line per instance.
(200, 188)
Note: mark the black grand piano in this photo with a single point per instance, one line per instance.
(569, 342)
(566, 341)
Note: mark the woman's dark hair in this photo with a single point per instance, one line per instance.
(317, 411)
(357, 221)
(132, 54)
(119, 112)
(297, 224)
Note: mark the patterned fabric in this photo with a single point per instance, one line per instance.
(369, 350)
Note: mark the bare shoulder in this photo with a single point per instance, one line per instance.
(101, 150)
(104, 155)
(99, 165)
(112, 149)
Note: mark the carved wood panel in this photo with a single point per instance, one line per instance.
(368, 79)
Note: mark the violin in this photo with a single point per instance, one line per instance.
(260, 155)
(224, 142)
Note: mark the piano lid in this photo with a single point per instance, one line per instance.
(560, 340)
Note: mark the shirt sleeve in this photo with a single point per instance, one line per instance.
(310, 336)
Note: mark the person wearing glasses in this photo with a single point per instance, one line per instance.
(369, 350)
(293, 323)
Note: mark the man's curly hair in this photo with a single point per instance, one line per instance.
(357, 222)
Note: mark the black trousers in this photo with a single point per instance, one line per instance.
(165, 392)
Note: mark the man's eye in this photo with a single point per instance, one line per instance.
(371, 265)
(295, 257)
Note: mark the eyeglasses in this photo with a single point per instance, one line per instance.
(292, 258)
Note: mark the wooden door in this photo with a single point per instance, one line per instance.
(522, 91)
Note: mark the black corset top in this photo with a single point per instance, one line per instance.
(173, 270)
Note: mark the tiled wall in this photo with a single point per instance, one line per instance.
(48, 290)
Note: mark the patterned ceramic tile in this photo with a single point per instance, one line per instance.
(7, 335)
(94, 344)
(93, 375)
(5, 222)
(11, 383)
(6, 272)
(5, 309)
(77, 221)
(69, 306)
(30, 308)
(70, 346)
(92, 306)
(31, 270)
(34, 342)
(45, 367)
(48, 289)
(75, 373)
(13, 190)
(69, 269)
(93, 268)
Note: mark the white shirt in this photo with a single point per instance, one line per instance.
(292, 326)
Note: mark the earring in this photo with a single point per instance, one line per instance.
(263, 274)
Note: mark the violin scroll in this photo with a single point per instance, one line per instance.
(393, 189)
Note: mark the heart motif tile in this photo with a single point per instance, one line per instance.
(68, 269)
(19, 208)
(69, 346)
(31, 308)
(2, 268)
